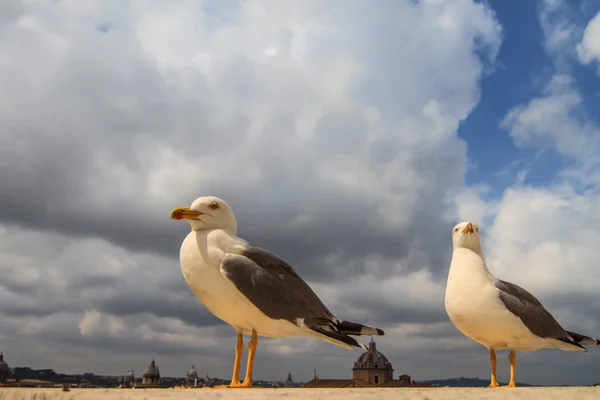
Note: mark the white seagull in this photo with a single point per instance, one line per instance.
(251, 289)
(496, 313)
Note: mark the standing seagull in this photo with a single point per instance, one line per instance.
(251, 289)
(495, 313)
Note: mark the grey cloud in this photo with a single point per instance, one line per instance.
(58, 331)
(60, 170)
(585, 306)
(37, 310)
(186, 307)
(382, 315)
(9, 11)
(138, 346)
(92, 282)
(88, 154)
(17, 287)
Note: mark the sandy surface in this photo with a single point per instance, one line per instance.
(579, 393)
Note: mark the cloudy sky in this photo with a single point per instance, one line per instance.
(348, 136)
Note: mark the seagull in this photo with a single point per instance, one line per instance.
(252, 290)
(496, 313)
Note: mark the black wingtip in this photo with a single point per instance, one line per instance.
(583, 339)
(356, 329)
(338, 336)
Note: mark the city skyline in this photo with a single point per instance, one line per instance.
(349, 137)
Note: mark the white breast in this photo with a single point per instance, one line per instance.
(473, 305)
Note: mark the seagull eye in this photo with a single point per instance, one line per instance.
(456, 230)
(214, 205)
(476, 229)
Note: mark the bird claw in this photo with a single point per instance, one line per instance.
(242, 385)
(234, 385)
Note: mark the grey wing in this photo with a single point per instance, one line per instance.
(529, 309)
(273, 286)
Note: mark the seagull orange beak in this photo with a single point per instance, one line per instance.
(184, 213)
(468, 228)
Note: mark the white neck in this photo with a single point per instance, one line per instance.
(475, 249)
(224, 239)
(468, 261)
(230, 228)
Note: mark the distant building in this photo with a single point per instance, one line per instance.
(151, 376)
(4, 369)
(289, 382)
(192, 377)
(371, 369)
(128, 380)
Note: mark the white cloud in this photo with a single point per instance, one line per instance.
(545, 239)
(557, 120)
(544, 236)
(561, 31)
(145, 328)
(330, 128)
(94, 323)
(472, 206)
(327, 125)
(588, 49)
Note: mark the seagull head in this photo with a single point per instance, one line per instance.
(466, 235)
(206, 213)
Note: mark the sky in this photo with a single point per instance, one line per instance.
(349, 137)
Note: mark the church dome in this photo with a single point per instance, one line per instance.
(192, 373)
(372, 359)
(152, 370)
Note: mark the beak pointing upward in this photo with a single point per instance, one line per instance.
(468, 228)
(184, 213)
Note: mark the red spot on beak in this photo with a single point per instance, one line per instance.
(184, 213)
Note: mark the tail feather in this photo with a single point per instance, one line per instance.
(348, 340)
(337, 332)
(573, 346)
(356, 329)
(582, 339)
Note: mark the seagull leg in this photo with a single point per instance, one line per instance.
(512, 357)
(239, 348)
(252, 345)
(494, 381)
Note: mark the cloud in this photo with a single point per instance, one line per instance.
(588, 49)
(548, 121)
(543, 236)
(558, 121)
(474, 204)
(329, 127)
(244, 126)
(562, 28)
(331, 130)
(549, 255)
(544, 239)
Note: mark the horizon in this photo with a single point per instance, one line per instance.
(225, 379)
(348, 138)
